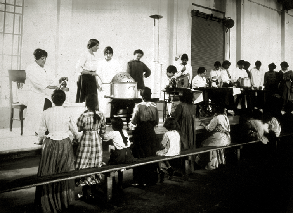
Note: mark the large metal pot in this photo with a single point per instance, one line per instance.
(124, 90)
(245, 82)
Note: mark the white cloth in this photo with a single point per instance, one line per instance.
(257, 77)
(198, 81)
(197, 96)
(174, 140)
(117, 139)
(238, 73)
(216, 73)
(106, 71)
(236, 91)
(219, 120)
(224, 77)
(37, 79)
(188, 71)
(58, 122)
(87, 61)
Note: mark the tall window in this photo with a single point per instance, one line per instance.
(11, 16)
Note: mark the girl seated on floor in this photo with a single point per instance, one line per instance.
(171, 144)
(219, 135)
(122, 153)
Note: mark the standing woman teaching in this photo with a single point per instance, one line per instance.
(40, 80)
(86, 68)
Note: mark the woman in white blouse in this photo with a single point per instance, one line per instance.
(219, 135)
(57, 156)
(107, 69)
(40, 80)
(199, 80)
(183, 69)
(86, 69)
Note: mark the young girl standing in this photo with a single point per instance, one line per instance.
(122, 153)
(89, 151)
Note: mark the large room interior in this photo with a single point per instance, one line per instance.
(261, 30)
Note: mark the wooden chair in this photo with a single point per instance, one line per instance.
(19, 77)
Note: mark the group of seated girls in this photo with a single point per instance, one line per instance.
(58, 155)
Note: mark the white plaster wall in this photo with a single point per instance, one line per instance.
(261, 32)
(288, 38)
(63, 27)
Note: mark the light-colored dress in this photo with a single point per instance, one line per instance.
(57, 157)
(219, 128)
(89, 151)
(37, 80)
(171, 144)
(106, 71)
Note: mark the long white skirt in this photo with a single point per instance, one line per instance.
(34, 111)
(105, 103)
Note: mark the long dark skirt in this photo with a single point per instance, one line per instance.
(121, 156)
(145, 144)
(86, 85)
(57, 157)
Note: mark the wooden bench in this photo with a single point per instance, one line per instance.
(109, 170)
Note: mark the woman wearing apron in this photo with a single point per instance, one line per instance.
(86, 68)
(40, 82)
(107, 69)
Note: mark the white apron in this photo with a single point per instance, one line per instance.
(106, 71)
(105, 103)
(38, 79)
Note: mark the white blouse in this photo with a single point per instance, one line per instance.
(257, 77)
(117, 139)
(38, 78)
(238, 73)
(108, 69)
(58, 122)
(198, 81)
(171, 142)
(87, 61)
(188, 71)
(224, 77)
(222, 120)
(216, 73)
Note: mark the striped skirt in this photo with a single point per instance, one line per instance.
(57, 157)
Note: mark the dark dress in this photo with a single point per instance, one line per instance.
(185, 116)
(287, 122)
(285, 85)
(145, 143)
(86, 85)
(138, 70)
